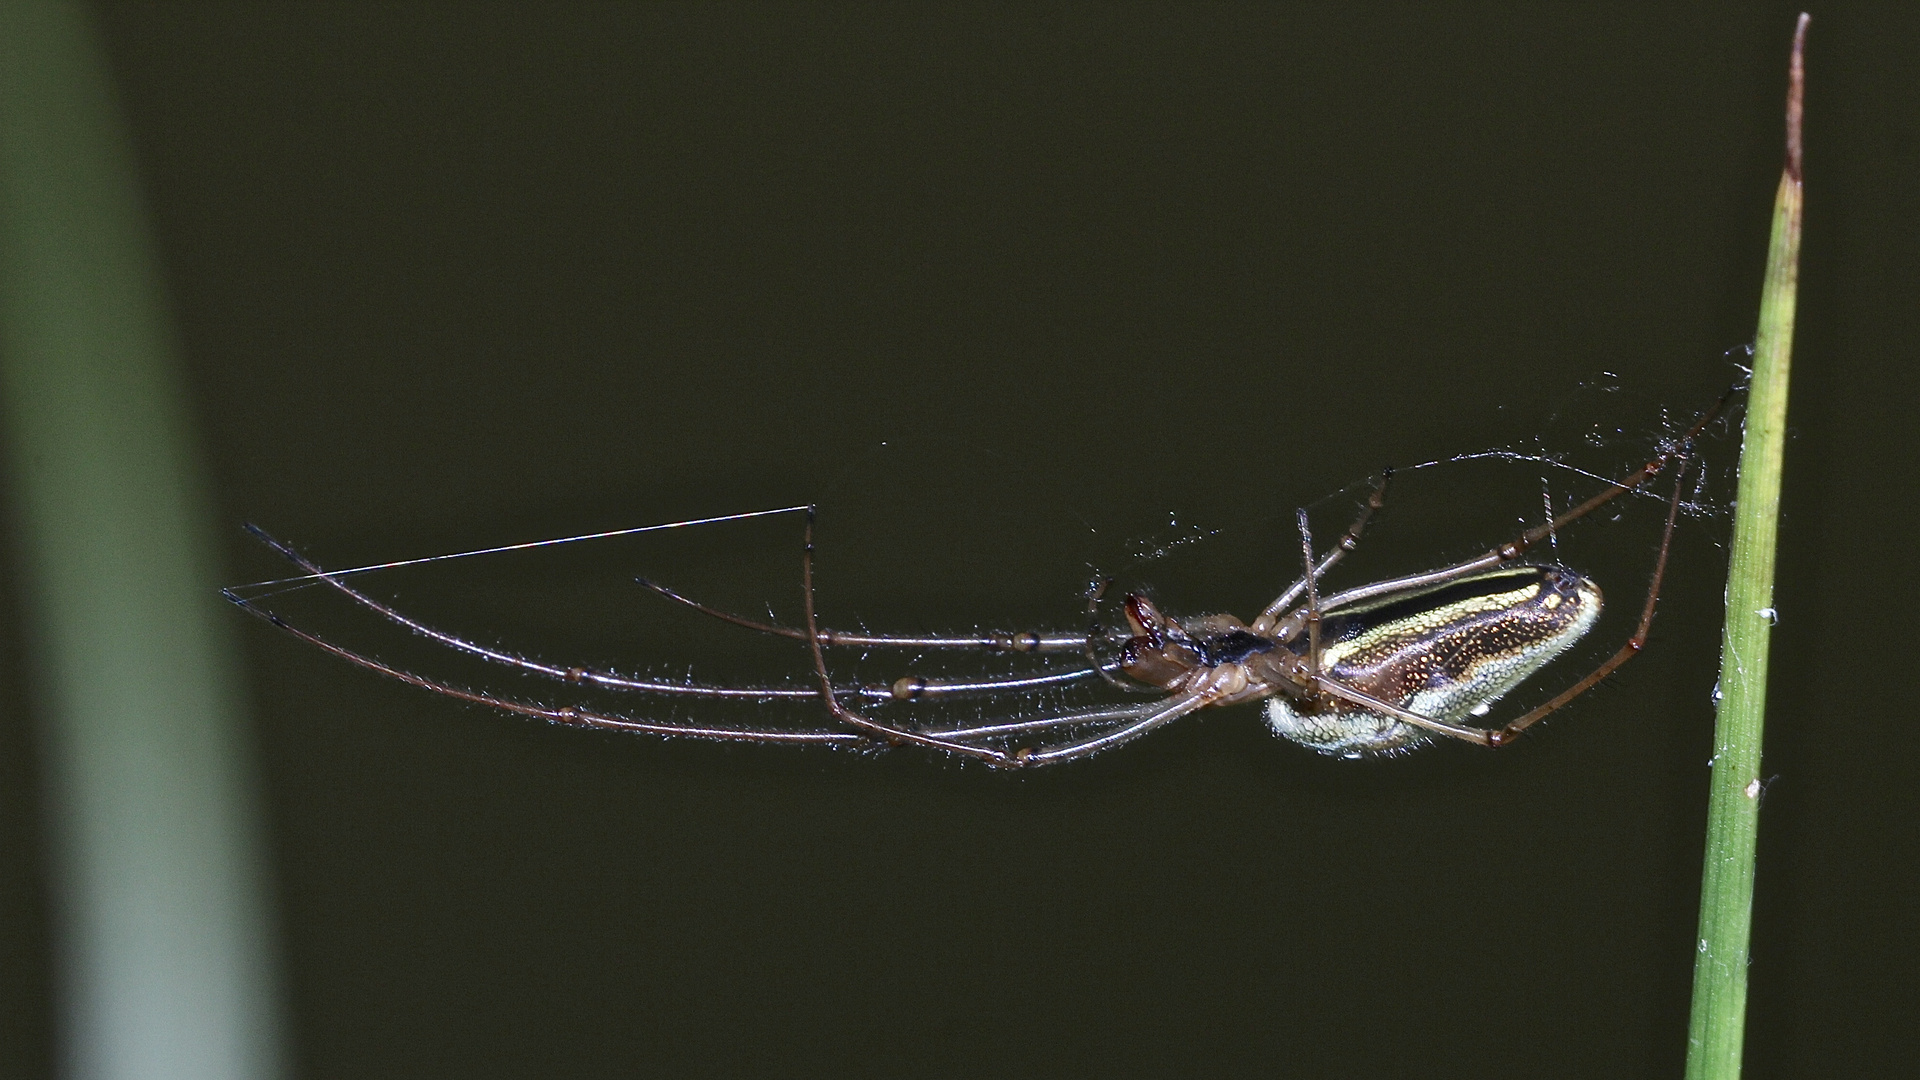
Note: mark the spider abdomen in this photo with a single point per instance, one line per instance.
(1446, 652)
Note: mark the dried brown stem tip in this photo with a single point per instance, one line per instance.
(1796, 95)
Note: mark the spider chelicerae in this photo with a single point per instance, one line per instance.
(1378, 669)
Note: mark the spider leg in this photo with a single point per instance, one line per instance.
(1026, 642)
(909, 688)
(1634, 644)
(1048, 723)
(1502, 736)
(567, 715)
(1373, 704)
(1514, 549)
(578, 675)
(915, 688)
(573, 716)
(1349, 540)
(884, 733)
(1313, 597)
(1165, 713)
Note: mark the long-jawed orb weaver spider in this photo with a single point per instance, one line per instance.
(1377, 669)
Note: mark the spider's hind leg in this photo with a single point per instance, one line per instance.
(1507, 733)
(1348, 541)
(1635, 643)
(1517, 548)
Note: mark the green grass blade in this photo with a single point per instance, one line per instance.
(1718, 1025)
(160, 905)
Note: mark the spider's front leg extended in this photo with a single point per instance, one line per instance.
(568, 715)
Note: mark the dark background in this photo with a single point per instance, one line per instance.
(1010, 291)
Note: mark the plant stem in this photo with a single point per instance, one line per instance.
(1718, 1025)
(161, 907)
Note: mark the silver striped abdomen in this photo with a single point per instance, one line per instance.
(1446, 652)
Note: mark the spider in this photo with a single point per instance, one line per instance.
(1378, 669)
